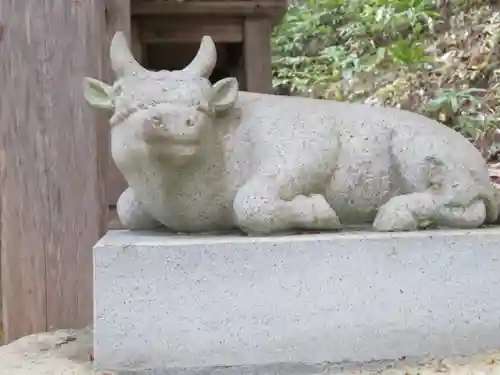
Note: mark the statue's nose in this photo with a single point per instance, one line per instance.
(157, 122)
(154, 129)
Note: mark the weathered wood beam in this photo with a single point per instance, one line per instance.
(52, 192)
(274, 9)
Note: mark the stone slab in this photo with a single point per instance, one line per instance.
(296, 304)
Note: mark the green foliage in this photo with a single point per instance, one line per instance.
(438, 58)
(324, 41)
(462, 109)
(466, 112)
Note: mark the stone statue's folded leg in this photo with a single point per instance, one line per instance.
(261, 207)
(259, 210)
(452, 199)
(417, 210)
(285, 191)
(132, 214)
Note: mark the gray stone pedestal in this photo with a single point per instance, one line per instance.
(293, 304)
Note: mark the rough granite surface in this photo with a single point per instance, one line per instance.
(204, 300)
(200, 157)
(68, 352)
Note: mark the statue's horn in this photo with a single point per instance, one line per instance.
(204, 62)
(122, 60)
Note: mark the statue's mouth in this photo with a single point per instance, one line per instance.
(176, 151)
(180, 147)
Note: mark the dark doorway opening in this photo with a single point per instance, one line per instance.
(175, 56)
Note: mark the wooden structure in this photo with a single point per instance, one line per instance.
(57, 181)
(52, 193)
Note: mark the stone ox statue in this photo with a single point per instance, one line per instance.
(201, 157)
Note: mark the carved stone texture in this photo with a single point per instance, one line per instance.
(200, 157)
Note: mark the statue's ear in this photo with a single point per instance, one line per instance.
(97, 93)
(225, 94)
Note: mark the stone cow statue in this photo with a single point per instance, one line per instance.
(202, 157)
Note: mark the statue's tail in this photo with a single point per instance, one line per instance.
(496, 199)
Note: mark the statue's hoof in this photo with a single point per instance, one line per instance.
(395, 216)
(315, 213)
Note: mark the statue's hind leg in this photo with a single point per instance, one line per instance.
(451, 200)
(417, 210)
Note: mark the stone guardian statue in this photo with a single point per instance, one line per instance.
(202, 157)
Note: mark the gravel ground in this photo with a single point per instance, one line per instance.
(68, 352)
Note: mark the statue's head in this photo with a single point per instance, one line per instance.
(165, 112)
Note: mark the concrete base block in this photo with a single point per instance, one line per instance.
(297, 304)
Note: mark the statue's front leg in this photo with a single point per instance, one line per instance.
(314, 212)
(132, 213)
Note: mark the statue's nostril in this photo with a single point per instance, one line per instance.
(157, 123)
(189, 122)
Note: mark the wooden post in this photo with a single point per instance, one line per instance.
(52, 192)
(257, 54)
